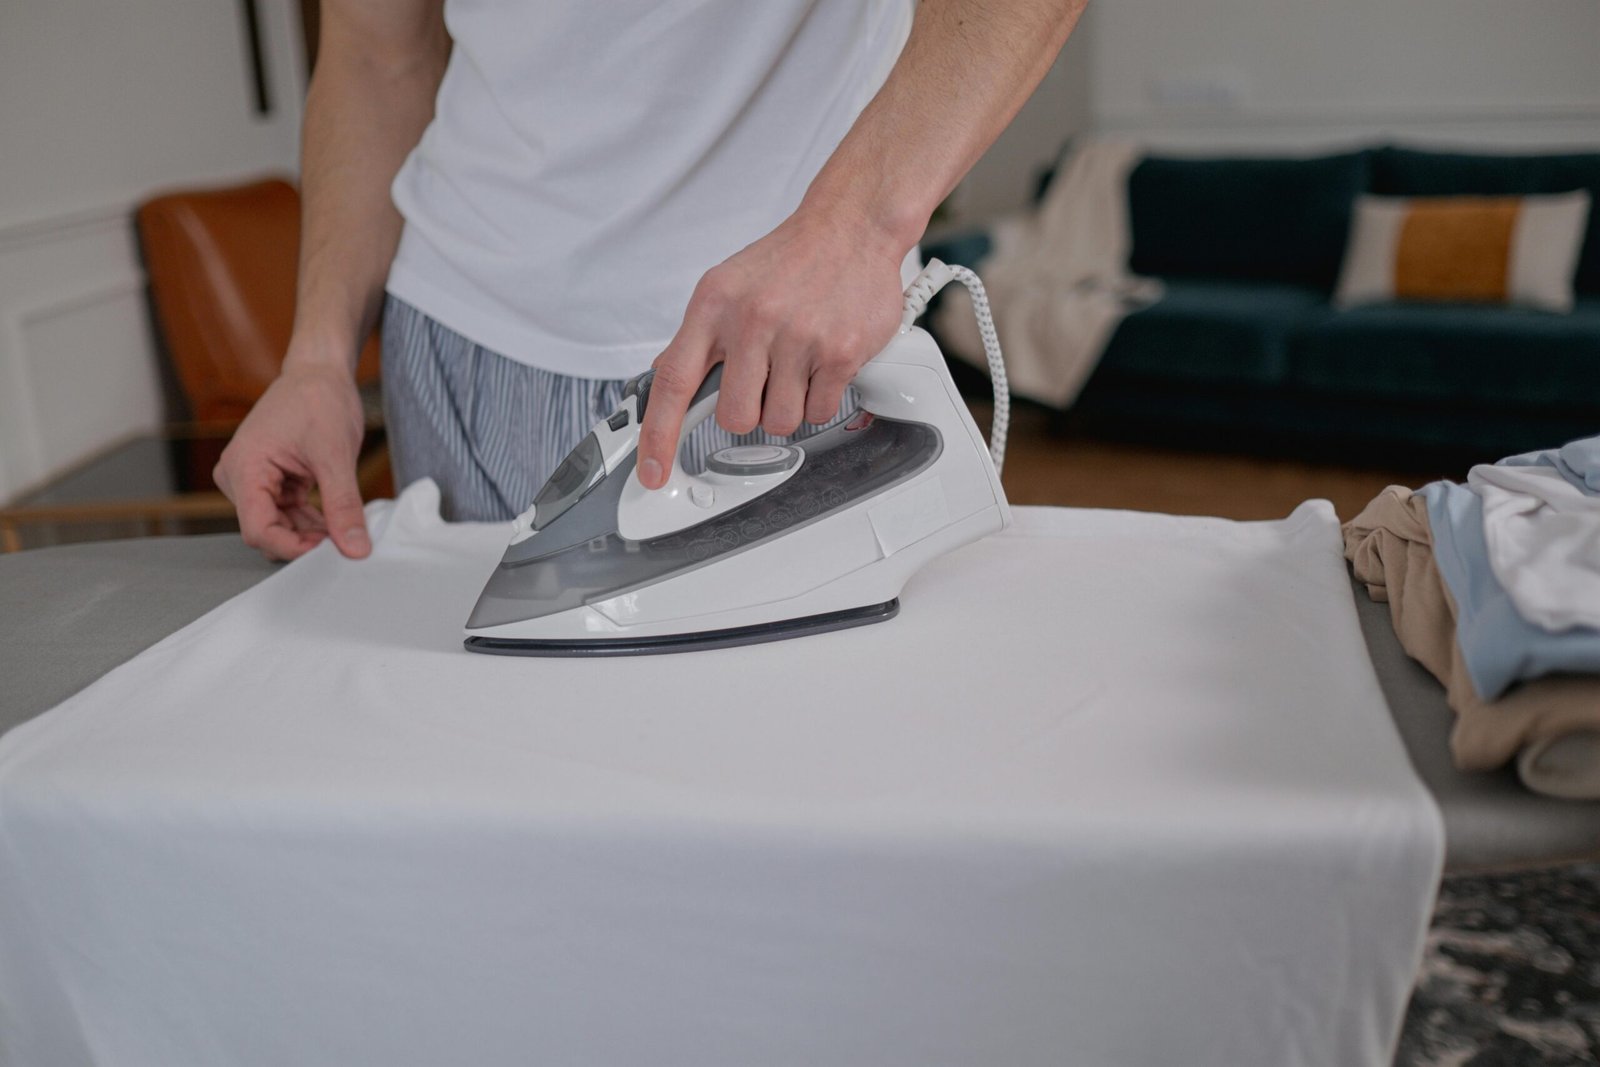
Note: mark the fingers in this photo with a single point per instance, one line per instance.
(269, 529)
(784, 405)
(792, 318)
(826, 390)
(342, 513)
(274, 518)
(303, 431)
(747, 345)
(679, 371)
(309, 523)
(744, 376)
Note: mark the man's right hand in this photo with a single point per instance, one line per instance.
(304, 432)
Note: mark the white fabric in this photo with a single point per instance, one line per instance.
(1543, 535)
(588, 162)
(1058, 281)
(1112, 789)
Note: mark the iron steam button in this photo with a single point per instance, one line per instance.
(747, 460)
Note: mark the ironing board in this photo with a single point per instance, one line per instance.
(309, 822)
(70, 614)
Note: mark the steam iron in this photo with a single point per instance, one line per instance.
(767, 542)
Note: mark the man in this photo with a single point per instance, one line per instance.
(579, 186)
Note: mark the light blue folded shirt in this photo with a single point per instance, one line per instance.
(1499, 646)
(1577, 461)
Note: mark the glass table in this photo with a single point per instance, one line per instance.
(152, 484)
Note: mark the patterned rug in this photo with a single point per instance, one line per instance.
(1511, 975)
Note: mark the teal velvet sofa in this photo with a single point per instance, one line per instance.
(1246, 350)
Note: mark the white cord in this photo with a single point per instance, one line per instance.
(936, 276)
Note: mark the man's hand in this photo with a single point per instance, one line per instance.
(305, 431)
(795, 315)
(378, 69)
(792, 318)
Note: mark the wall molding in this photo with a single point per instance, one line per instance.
(22, 461)
(80, 298)
(27, 466)
(65, 225)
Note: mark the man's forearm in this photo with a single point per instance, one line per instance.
(966, 70)
(371, 97)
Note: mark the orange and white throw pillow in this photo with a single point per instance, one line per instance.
(1487, 249)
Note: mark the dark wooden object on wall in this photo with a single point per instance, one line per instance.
(255, 53)
(311, 25)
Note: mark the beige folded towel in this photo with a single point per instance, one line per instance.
(1554, 722)
(1565, 766)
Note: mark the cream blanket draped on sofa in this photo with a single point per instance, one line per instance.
(1058, 279)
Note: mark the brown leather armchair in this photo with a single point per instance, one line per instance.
(222, 265)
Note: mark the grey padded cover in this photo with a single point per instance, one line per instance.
(1490, 820)
(70, 614)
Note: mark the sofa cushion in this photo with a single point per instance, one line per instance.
(1455, 353)
(1519, 250)
(1268, 219)
(1413, 172)
(1221, 332)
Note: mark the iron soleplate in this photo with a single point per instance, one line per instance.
(731, 637)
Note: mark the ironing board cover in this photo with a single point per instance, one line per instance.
(1114, 788)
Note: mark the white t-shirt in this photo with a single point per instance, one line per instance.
(589, 161)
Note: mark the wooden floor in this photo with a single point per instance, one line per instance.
(1042, 467)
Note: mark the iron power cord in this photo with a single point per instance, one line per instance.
(935, 276)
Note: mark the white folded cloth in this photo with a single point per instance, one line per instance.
(1543, 535)
(1058, 279)
(1112, 789)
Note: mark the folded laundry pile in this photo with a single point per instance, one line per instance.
(1494, 587)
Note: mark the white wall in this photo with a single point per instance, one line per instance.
(100, 105)
(1260, 72)
(1220, 75)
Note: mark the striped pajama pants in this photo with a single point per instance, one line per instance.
(487, 429)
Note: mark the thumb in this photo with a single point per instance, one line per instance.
(341, 509)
